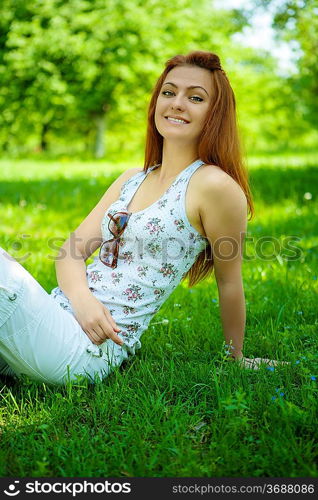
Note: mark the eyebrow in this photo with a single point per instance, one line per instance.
(191, 86)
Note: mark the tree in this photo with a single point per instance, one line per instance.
(65, 62)
(296, 21)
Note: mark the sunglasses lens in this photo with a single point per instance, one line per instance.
(117, 224)
(107, 252)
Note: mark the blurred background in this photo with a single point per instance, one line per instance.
(76, 76)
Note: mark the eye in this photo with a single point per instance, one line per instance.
(197, 98)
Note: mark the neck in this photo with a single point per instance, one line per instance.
(175, 158)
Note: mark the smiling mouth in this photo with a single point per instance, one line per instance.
(176, 120)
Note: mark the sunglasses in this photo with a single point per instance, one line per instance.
(108, 252)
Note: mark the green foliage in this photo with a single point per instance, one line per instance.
(69, 68)
(68, 62)
(296, 21)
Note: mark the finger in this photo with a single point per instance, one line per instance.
(107, 327)
(270, 362)
(91, 336)
(112, 335)
(279, 362)
(96, 339)
(101, 332)
(111, 320)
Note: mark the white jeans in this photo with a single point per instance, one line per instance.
(41, 339)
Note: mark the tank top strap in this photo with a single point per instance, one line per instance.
(130, 186)
(181, 183)
(179, 200)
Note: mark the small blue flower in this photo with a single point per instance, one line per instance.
(280, 393)
(273, 398)
(313, 378)
(229, 346)
(314, 277)
(214, 300)
(299, 312)
(271, 368)
(297, 362)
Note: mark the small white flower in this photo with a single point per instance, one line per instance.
(308, 196)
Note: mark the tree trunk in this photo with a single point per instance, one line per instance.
(99, 148)
(43, 138)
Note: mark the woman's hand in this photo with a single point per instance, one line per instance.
(255, 363)
(95, 319)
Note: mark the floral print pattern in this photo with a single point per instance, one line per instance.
(95, 276)
(158, 292)
(180, 224)
(162, 203)
(128, 257)
(194, 238)
(142, 271)
(133, 292)
(129, 310)
(168, 270)
(133, 327)
(153, 248)
(153, 226)
(116, 277)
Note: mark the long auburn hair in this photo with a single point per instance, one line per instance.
(219, 142)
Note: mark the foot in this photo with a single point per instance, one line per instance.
(255, 363)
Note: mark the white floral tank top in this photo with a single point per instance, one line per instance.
(156, 249)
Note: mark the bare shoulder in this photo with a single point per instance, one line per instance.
(122, 178)
(222, 205)
(134, 170)
(219, 188)
(130, 172)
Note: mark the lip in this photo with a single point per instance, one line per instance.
(177, 118)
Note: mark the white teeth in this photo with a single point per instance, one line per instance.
(175, 120)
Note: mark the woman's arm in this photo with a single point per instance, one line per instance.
(223, 213)
(232, 310)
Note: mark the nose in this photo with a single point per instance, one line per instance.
(177, 103)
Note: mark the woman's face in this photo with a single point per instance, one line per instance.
(183, 103)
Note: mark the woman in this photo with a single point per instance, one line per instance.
(183, 215)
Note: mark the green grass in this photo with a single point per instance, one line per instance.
(177, 408)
